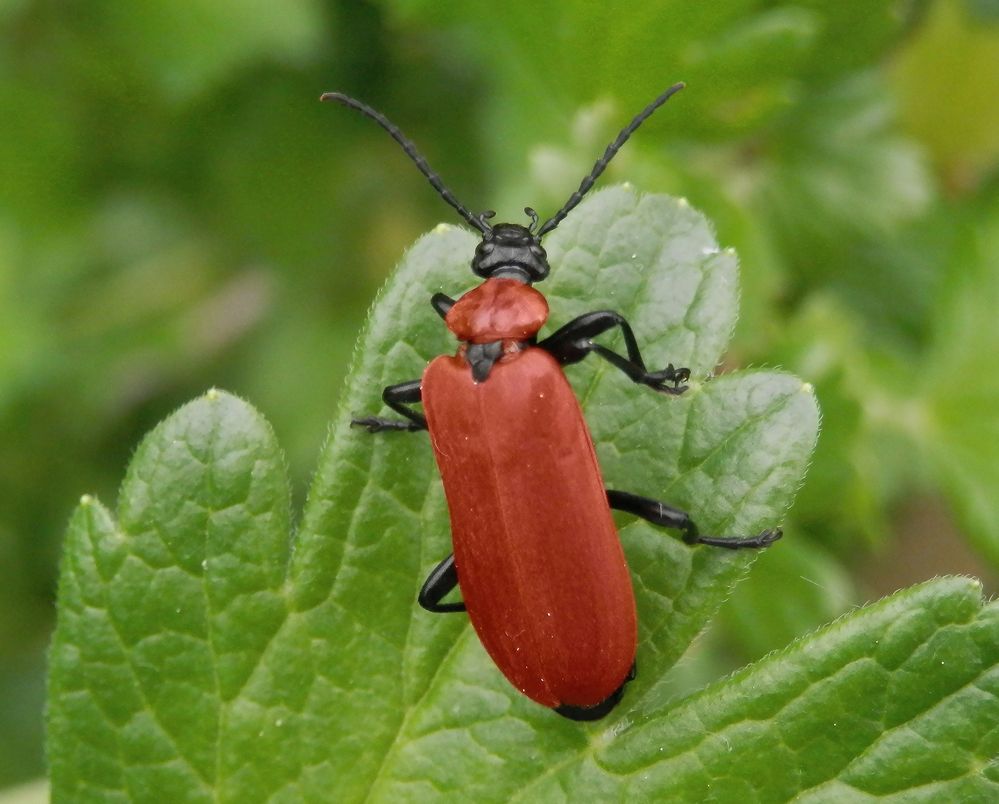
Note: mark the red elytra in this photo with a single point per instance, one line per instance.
(524, 491)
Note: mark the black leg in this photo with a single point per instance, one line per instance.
(572, 342)
(442, 579)
(398, 397)
(601, 709)
(441, 304)
(667, 516)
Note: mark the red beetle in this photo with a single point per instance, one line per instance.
(536, 554)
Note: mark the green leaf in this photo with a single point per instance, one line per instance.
(165, 615)
(840, 170)
(204, 653)
(957, 422)
(897, 701)
(814, 589)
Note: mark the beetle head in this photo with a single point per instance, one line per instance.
(511, 251)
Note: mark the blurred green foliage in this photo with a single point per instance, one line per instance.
(177, 211)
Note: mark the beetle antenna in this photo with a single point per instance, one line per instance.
(534, 219)
(410, 149)
(602, 162)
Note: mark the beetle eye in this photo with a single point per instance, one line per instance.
(487, 248)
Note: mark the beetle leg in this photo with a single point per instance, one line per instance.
(572, 342)
(667, 516)
(441, 580)
(601, 709)
(398, 397)
(441, 304)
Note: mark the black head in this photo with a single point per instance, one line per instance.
(512, 251)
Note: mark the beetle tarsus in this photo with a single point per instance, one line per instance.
(671, 390)
(763, 539)
(659, 380)
(375, 424)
